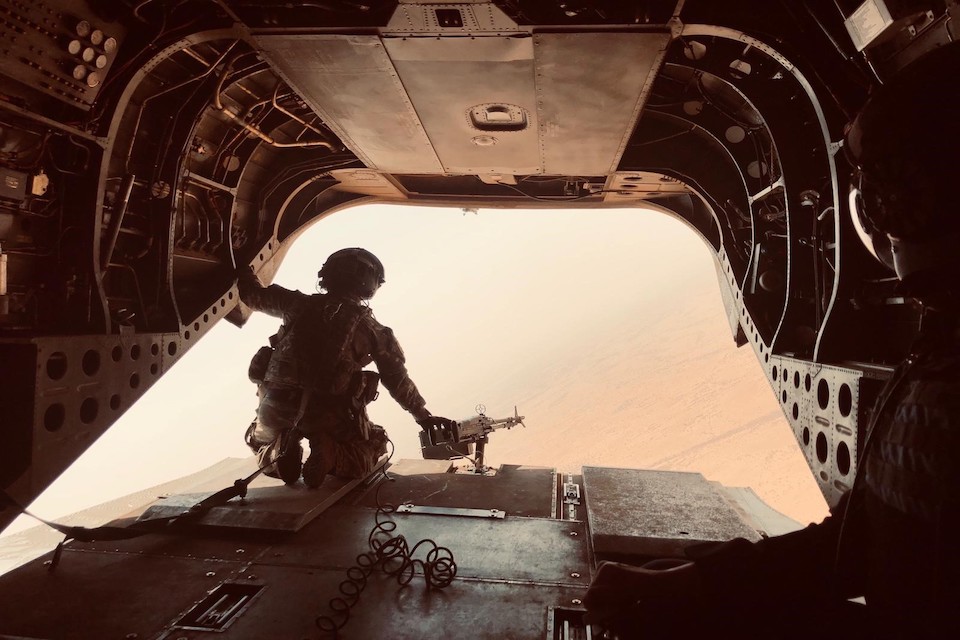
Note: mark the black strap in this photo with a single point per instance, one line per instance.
(108, 533)
(83, 534)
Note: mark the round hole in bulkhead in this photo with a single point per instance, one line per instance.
(692, 107)
(135, 352)
(57, 365)
(91, 362)
(154, 349)
(116, 353)
(154, 368)
(757, 169)
(774, 372)
(54, 417)
(796, 411)
(823, 393)
(844, 400)
(172, 348)
(806, 436)
(134, 380)
(843, 458)
(115, 402)
(88, 410)
(796, 379)
(786, 374)
(735, 134)
(821, 447)
(807, 382)
(783, 396)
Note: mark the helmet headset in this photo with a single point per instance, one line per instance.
(903, 149)
(353, 271)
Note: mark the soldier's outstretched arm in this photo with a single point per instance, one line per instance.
(391, 363)
(273, 300)
(393, 372)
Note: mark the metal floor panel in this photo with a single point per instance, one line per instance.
(188, 544)
(633, 512)
(517, 490)
(509, 572)
(294, 597)
(270, 505)
(104, 595)
(517, 549)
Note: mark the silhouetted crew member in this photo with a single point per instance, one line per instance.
(894, 538)
(315, 385)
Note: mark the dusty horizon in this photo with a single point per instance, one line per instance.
(605, 328)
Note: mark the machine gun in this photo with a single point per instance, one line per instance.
(460, 440)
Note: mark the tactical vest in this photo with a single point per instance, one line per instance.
(314, 351)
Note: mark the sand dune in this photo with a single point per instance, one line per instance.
(620, 400)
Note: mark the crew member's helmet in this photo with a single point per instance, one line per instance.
(352, 272)
(905, 147)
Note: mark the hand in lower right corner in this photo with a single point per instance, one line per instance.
(618, 587)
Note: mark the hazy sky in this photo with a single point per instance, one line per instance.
(499, 308)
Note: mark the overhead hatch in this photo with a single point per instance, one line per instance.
(591, 88)
(472, 96)
(350, 82)
(451, 80)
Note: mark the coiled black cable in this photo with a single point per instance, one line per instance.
(394, 556)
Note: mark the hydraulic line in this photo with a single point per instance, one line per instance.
(233, 115)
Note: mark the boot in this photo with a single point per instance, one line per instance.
(320, 462)
(283, 457)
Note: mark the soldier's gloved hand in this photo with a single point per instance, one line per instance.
(440, 429)
(247, 280)
(244, 272)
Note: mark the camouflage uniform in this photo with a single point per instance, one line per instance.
(315, 380)
(892, 538)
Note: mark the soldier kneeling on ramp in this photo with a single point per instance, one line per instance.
(312, 383)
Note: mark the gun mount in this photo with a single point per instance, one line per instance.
(466, 438)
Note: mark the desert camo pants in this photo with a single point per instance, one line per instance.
(330, 429)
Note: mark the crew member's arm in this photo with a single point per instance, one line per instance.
(391, 364)
(798, 565)
(273, 300)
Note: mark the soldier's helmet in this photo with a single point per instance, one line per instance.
(352, 271)
(905, 146)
